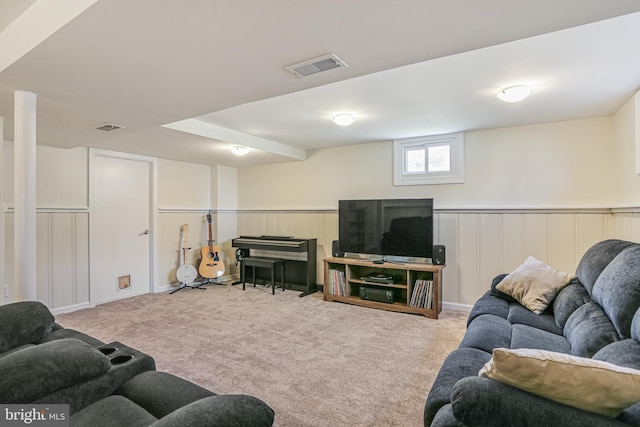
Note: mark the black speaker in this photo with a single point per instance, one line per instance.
(438, 255)
(335, 249)
(241, 254)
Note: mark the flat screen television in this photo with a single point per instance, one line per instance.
(401, 228)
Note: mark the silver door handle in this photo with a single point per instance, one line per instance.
(144, 232)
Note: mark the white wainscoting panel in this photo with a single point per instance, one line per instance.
(322, 225)
(626, 225)
(483, 245)
(61, 259)
(479, 243)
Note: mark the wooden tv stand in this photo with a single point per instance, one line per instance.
(401, 284)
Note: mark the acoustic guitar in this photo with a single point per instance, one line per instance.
(211, 266)
(186, 273)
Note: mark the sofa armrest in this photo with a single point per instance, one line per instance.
(39, 370)
(61, 333)
(485, 402)
(230, 410)
(23, 323)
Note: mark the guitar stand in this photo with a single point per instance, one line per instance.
(208, 282)
(184, 285)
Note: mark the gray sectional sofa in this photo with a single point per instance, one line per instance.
(105, 384)
(592, 320)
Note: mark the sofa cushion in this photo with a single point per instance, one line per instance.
(617, 289)
(534, 284)
(589, 329)
(39, 370)
(496, 293)
(483, 402)
(635, 326)
(23, 323)
(524, 336)
(13, 350)
(460, 363)
(444, 417)
(631, 415)
(161, 393)
(70, 333)
(545, 321)
(622, 353)
(123, 368)
(229, 410)
(487, 332)
(587, 384)
(596, 258)
(489, 304)
(567, 301)
(113, 411)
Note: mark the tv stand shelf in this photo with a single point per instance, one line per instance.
(406, 288)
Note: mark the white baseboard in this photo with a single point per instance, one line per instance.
(70, 308)
(164, 288)
(456, 306)
(120, 296)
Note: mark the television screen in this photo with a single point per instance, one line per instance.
(386, 227)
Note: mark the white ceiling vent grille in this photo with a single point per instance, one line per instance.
(107, 127)
(316, 65)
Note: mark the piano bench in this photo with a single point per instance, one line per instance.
(262, 262)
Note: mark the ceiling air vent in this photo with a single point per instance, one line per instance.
(107, 127)
(316, 65)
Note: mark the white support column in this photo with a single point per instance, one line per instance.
(2, 209)
(24, 271)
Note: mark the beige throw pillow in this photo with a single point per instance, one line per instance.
(534, 284)
(591, 385)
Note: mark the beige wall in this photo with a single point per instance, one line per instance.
(551, 165)
(184, 196)
(564, 164)
(626, 185)
(627, 170)
(544, 190)
(183, 185)
(61, 180)
(227, 189)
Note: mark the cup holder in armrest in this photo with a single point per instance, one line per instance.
(107, 350)
(119, 360)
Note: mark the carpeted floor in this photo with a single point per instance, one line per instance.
(315, 363)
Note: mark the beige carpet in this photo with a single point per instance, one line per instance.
(315, 363)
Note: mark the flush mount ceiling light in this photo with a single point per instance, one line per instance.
(343, 119)
(240, 150)
(514, 93)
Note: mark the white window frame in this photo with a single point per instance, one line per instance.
(455, 175)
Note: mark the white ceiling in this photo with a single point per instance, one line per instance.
(416, 67)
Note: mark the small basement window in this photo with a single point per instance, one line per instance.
(429, 160)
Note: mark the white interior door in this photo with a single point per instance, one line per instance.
(120, 227)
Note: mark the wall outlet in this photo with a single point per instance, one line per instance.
(6, 291)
